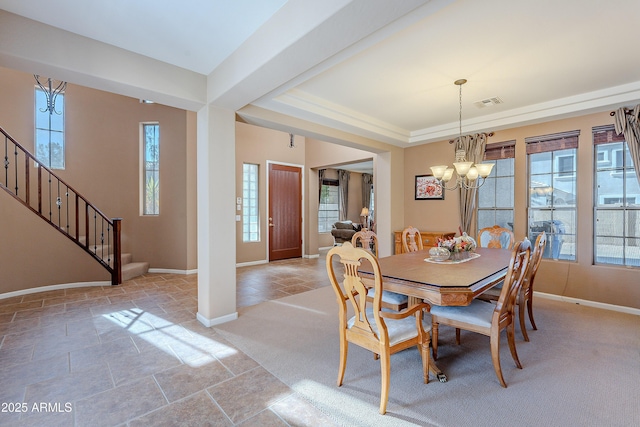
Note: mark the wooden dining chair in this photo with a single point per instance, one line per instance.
(369, 241)
(525, 296)
(496, 237)
(411, 240)
(382, 332)
(487, 318)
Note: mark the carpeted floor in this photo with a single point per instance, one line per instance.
(581, 368)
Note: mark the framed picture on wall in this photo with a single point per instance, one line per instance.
(428, 188)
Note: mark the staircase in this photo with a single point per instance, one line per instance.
(132, 269)
(129, 268)
(57, 203)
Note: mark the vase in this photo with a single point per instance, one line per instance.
(459, 256)
(439, 254)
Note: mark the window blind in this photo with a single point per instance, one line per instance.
(606, 134)
(500, 150)
(552, 142)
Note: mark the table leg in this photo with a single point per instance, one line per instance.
(433, 368)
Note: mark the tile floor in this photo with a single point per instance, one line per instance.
(134, 355)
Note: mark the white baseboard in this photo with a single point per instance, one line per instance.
(216, 321)
(612, 307)
(52, 288)
(250, 263)
(172, 271)
(312, 256)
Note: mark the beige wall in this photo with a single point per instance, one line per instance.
(580, 279)
(102, 163)
(260, 146)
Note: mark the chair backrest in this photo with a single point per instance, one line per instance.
(411, 240)
(534, 263)
(516, 274)
(368, 240)
(354, 291)
(496, 237)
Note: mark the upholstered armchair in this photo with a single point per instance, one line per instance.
(343, 231)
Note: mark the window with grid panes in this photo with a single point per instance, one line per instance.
(616, 201)
(151, 166)
(495, 196)
(329, 204)
(552, 192)
(250, 211)
(49, 130)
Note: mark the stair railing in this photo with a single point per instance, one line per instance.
(42, 191)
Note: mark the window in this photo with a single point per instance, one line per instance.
(495, 197)
(151, 168)
(49, 130)
(328, 211)
(566, 165)
(552, 192)
(617, 216)
(250, 211)
(372, 206)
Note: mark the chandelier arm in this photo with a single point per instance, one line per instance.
(461, 184)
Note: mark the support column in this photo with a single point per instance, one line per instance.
(216, 216)
(389, 198)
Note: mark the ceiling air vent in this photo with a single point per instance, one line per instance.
(488, 102)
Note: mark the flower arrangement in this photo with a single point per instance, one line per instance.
(458, 244)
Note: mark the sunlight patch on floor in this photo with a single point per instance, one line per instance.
(191, 347)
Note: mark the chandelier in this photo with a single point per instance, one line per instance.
(467, 173)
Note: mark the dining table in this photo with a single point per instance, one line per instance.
(447, 283)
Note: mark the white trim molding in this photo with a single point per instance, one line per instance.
(172, 271)
(605, 306)
(52, 288)
(218, 320)
(250, 263)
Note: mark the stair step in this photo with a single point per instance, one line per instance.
(130, 269)
(134, 269)
(126, 258)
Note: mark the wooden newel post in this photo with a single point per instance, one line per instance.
(116, 274)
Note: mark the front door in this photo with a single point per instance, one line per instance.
(285, 212)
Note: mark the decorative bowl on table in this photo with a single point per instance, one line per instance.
(460, 248)
(439, 254)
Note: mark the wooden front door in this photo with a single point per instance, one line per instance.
(285, 212)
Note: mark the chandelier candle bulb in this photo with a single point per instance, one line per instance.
(484, 169)
(462, 168)
(448, 174)
(438, 171)
(472, 175)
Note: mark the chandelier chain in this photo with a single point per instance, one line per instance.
(460, 114)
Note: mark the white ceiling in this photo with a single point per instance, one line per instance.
(392, 77)
(193, 34)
